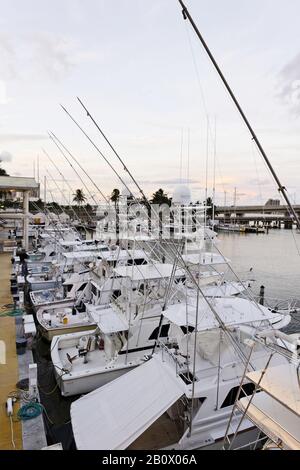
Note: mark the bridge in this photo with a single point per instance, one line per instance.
(272, 214)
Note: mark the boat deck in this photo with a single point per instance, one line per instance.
(164, 432)
(9, 372)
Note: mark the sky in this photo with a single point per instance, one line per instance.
(144, 76)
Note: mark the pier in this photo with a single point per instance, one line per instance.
(272, 214)
(9, 372)
(14, 434)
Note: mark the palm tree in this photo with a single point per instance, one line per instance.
(79, 196)
(160, 197)
(210, 206)
(115, 196)
(2, 171)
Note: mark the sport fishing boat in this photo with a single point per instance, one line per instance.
(182, 396)
(127, 329)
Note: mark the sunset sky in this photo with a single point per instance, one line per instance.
(144, 76)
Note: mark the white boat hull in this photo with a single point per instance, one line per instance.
(87, 382)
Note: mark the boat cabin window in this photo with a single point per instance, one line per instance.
(185, 329)
(82, 287)
(163, 333)
(116, 294)
(112, 263)
(94, 290)
(180, 279)
(69, 287)
(248, 389)
(136, 262)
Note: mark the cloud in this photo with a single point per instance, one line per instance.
(56, 55)
(3, 93)
(262, 182)
(8, 57)
(289, 85)
(5, 156)
(171, 181)
(22, 137)
(51, 54)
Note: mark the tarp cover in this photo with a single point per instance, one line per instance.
(274, 419)
(108, 320)
(231, 310)
(115, 415)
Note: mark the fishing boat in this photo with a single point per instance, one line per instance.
(127, 329)
(182, 397)
(62, 318)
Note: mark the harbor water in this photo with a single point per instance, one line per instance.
(271, 260)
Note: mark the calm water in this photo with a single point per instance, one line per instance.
(274, 258)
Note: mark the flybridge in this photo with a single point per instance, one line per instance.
(232, 311)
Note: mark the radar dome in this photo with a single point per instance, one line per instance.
(181, 195)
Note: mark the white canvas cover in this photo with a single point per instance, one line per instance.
(148, 271)
(108, 320)
(115, 415)
(281, 382)
(231, 310)
(205, 258)
(274, 419)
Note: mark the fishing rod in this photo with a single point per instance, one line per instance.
(135, 182)
(115, 152)
(98, 150)
(187, 270)
(146, 202)
(58, 188)
(221, 323)
(282, 189)
(58, 143)
(64, 179)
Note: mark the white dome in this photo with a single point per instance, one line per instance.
(181, 195)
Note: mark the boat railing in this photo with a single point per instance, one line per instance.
(288, 305)
(172, 358)
(118, 306)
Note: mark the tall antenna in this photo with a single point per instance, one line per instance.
(206, 169)
(214, 174)
(188, 156)
(38, 168)
(281, 189)
(45, 190)
(181, 151)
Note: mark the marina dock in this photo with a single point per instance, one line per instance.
(9, 372)
(14, 434)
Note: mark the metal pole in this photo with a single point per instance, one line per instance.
(45, 190)
(282, 189)
(214, 175)
(25, 219)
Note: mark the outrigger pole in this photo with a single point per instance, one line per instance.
(281, 189)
